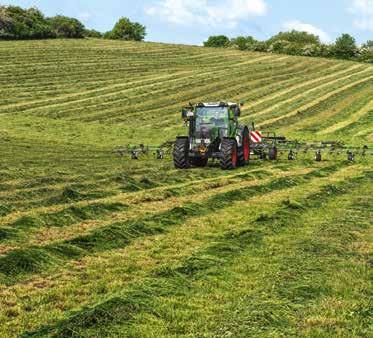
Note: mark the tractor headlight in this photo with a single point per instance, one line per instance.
(202, 149)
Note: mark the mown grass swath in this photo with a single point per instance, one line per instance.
(95, 244)
(208, 262)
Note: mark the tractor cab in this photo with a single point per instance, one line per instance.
(209, 121)
(212, 117)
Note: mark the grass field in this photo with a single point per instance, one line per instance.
(95, 245)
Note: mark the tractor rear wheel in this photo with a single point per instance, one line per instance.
(181, 153)
(200, 162)
(244, 151)
(229, 154)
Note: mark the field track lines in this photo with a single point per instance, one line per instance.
(240, 90)
(336, 172)
(184, 265)
(337, 106)
(133, 197)
(168, 99)
(345, 123)
(96, 90)
(295, 268)
(316, 101)
(68, 96)
(322, 85)
(214, 88)
(145, 205)
(120, 234)
(302, 84)
(125, 84)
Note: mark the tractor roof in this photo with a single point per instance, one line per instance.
(217, 104)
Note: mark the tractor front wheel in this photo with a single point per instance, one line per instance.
(181, 153)
(229, 154)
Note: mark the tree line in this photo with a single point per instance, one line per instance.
(299, 43)
(17, 23)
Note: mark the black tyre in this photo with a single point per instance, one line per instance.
(272, 155)
(244, 150)
(229, 154)
(200, 162)
(181, 153)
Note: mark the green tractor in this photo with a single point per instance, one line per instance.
(214, 133)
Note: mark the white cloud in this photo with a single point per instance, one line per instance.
(205, 12)
(363, 12)
(306, 27)
(85, 16)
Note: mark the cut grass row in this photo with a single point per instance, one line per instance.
(59, 304)
(314, 93)
(43, 225)
(22, 262)
(365, 106)
(304, 107)
(155, 88)
(337, 107)
(168, 105)
(282, 97)
(145, 309)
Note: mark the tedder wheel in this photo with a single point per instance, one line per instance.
(200, 162)
(229, 154)
(244, 151)
(181, 153)
(272, 155)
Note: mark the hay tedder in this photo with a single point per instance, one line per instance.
(270, 146)
(137, 151)
(214, 133)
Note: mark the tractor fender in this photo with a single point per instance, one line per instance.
(239, 136)
(239, 139)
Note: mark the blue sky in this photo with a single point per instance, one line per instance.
(192, 21)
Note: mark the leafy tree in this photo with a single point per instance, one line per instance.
(294, 43)
(91, 33)
(217, 41)
(243, 43)
(303, 38)
(366, 52)
(18, 23)
(279, 46)
(260, 46)
(124, 29)
(345, 47)
(368, 44)
(65, 27)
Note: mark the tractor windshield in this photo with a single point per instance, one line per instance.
(209, 117)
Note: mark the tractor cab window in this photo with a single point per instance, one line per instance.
(210, 117)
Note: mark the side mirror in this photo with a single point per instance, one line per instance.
(186, 113)
(237, 112)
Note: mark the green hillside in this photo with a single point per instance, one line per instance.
(93, 244)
